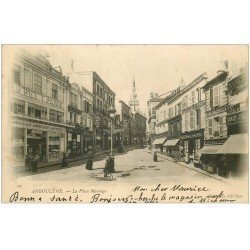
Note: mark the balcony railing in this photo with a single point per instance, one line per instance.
(231, 109)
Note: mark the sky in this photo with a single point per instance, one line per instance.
(156, 68)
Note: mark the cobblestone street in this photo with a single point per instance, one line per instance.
(136, 166)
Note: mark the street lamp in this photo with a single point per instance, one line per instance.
(111, 112)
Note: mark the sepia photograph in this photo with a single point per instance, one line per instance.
(125, 123)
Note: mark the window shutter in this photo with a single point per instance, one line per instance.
(216, 96)
(223, 96)
(183, 102)
(192, 121)
(210, 127)
(203, 118)
(208, 99)
(193, 96)
(221, 125)
(190, 98)
(183, 123)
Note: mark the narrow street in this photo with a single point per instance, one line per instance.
(135, 166)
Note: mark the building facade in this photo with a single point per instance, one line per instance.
(193, 118)
(38, 102)
(152, 103)
(79, 114)
(141, 126)
(125, 121)
(174, 121)
(103, 99)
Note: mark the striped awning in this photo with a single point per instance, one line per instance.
(159, 141)
(172, 142)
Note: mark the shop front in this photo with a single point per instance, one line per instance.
(74, 142)
(210, 158)
(158, 143)
(173, 148)
(235, 152)
(87, 141)
(191, 143)
(36, 139)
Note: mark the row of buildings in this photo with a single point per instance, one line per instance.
(205, 121)
(52, 113)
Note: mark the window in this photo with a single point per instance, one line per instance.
(37, 112)
(198, 94)
(193, 96)
(221, 126)
(38, 83)
(17, 75)
(192, 119)
(18, 107)
(198, 117)
(210, 127)
(56, 116)
(211, 97)
(97, 89)
(171, 111)
(73, 100)
(186, 101)
(186, 121)
(216, 96)
(54, 91)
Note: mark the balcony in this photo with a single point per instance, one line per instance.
(232, 109)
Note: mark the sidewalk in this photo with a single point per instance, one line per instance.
(55, 165)
(190, 166)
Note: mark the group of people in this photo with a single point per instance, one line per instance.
(31, 161)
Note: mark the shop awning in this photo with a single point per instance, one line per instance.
(210, 149)
(171, 142)
(159, 141)
(235, 144)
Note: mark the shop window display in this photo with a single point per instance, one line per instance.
(54, 146)
(17, 140)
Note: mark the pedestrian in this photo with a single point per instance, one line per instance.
(65, 160)
(34, 162)
(89, 164)
(109, 165)
(28, 159)
(155, 157)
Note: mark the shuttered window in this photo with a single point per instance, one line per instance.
(216, 100)
(210, 127)
(38, 83)
(186, 122)
(211, 97)
(193, 96)
(221, 126)
(192, 118)
(17, 75)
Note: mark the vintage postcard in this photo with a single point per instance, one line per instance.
(125, 124)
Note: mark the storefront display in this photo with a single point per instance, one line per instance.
(54, 146)
(74, 144)
(17, 140)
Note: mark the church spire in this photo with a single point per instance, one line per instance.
(134, 103)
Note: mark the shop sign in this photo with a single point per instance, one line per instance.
(31, 125)
(192, 135)
(237, 118)
(32, 94)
